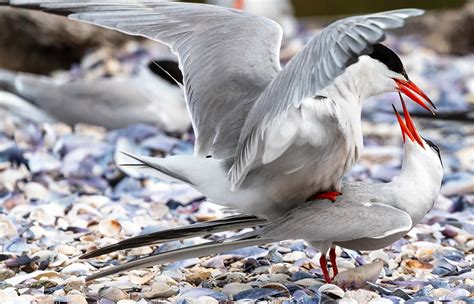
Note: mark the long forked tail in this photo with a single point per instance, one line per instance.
(180, 254)
(194, 230)
(154, 166)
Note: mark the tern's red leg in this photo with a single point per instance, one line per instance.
(330, 195)
(324, 268)
(332, 258)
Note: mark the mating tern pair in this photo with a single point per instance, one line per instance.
(367, 216)
(148, 96)
(267, 138)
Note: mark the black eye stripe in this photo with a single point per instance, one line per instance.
(434, 148)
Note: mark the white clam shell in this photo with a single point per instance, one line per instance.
(76, 299)
(130, 228)
(41, 216)
(293, 256)
(140, 251)
(140, 277)
(379, 254)
(60, 260)
(77, 269)
(235, 287)
(160, 290)
(359, 276)
(113, 294)
(7, 229)
(6, 298)
(331, 288)
(362, 295)
(109, 227)
(66, 249)
(127, 302)
(34, 275)
(35, 190)
(10, 177)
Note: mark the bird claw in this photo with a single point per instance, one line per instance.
(330, 195)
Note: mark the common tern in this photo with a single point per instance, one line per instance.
(267, 138)
(148, 96)
(367, 216)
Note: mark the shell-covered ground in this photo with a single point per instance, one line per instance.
(62, 194)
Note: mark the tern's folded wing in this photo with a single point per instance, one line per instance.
(341, 221)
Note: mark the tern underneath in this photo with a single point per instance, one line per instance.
(365, 217)
(267, 138)
(148, 96)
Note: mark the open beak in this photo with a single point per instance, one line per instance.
(403, 127)
(410, 89)
(239, 4)
(409, 128)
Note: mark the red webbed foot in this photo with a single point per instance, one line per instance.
(330, 195)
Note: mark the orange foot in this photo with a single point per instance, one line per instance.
(330, 195)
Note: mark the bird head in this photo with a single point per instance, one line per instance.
(388, 66)
(423, 150)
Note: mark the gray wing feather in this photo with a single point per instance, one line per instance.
(227, 56)
(349, 218)
(323, 59)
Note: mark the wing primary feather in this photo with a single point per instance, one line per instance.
(190, 231)
(178, 254)
(168, 73)
(159, 168)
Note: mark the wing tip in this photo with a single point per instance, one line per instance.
(409, 12)
(417, 11)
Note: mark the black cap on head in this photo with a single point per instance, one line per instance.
(388, 57)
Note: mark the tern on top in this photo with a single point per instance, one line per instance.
(267, 137)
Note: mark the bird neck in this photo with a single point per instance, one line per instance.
(419, 183)
(366, 78)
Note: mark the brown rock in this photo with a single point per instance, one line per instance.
(38, 42)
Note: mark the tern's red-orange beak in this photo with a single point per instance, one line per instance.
(239, 4)
(403, 127)
(410, 89)
(410, 124)
(409, 128)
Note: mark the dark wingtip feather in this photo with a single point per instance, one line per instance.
(158, 237)
(179, 254)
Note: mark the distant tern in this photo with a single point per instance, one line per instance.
(148, 96)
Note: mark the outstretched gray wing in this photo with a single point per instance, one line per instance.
(324, 58)
(227, 56)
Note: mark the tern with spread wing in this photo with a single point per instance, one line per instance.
(365, 217)
(267, 138)
(148, 96)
